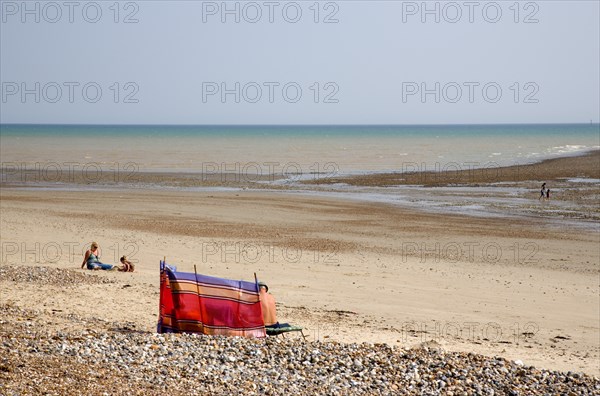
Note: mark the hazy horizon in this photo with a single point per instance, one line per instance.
(305, 125)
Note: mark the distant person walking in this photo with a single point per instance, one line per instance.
(542, 192)
(548, 195)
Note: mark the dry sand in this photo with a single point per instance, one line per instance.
(346, 271)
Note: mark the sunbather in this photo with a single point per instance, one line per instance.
(267, 302)
(92, 259)
(127, 265)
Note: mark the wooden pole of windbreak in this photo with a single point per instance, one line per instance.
(256, 283)
(198, 291)
(160, 292)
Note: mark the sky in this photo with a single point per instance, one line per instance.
(299, 62)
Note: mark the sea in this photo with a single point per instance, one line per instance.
(281, 158)
(282, 150)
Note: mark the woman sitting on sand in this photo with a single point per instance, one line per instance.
(92, 259)
(127, 265)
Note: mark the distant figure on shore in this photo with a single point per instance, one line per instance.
(127, 265)
(542, 192)
(267, 303)
(92, 259)
(548, 195)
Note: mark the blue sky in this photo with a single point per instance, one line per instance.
(303, 62)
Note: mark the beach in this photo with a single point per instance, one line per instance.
(300, 198)
(348, 270)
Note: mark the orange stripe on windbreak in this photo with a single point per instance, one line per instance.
(197, 323)
(199, 328)
(207, 291)
(193, 326)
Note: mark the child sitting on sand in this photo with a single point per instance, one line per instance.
(127, 265)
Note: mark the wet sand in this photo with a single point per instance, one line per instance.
(423, 174)
(446, 174)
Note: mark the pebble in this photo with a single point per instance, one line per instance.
(50, 276)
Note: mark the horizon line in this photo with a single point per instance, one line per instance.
(301, 125)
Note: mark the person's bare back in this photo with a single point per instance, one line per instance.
(267, 302)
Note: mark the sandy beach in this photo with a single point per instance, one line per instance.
(418, 185)
(346, 271)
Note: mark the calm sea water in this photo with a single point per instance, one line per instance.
(280, 149)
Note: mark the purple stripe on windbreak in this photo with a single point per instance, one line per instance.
(214, 281)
